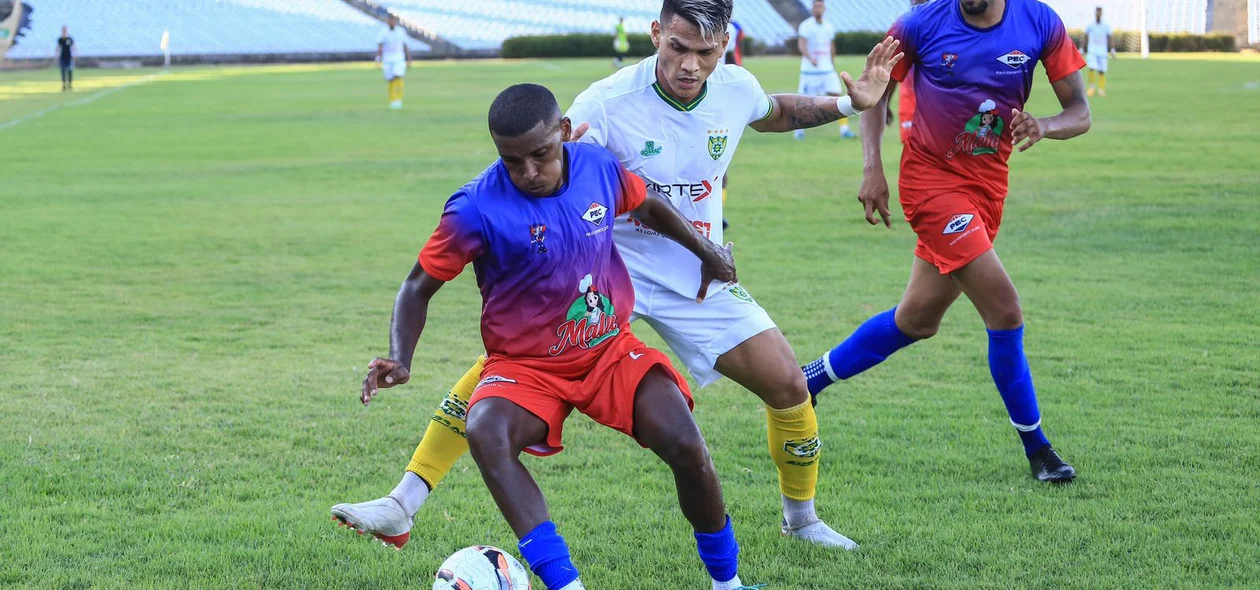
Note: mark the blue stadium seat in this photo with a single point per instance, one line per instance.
(134, 27)
(482, 24)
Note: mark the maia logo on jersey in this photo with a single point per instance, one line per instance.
(1014, 59)
(958, 223)
(537, 234)
(590, 320)
(595, 214)
(650, 149)
(717, 143)
(982, 133)
(947, 61)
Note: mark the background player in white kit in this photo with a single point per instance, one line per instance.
(395, 58)
(816, 40)
(675, 120)
(1097, 51)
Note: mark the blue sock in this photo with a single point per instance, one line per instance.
(868, 346)
(1010, 372)
(719, 552)
(548, 556)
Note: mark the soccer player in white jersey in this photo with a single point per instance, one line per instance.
(675, 120)
(816, 40)
(395, 58)
(1097, 51)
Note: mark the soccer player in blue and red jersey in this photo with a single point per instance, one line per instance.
(973, 64)
(556, 302)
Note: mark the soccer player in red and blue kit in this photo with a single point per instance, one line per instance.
(556, 302)
(973, 64)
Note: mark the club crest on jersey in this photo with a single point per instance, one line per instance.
(650, 149)
(595, 214)
(1014, 59)
(591, 320)
(947, 61)
(982, 133)
(717, 144)
(537, 235)
(958, 223)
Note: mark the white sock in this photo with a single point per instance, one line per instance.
(411, 492)
(799, 513)
(730, 584)
(574, 585)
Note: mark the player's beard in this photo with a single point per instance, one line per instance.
(974, 7)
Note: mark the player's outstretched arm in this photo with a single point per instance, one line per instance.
(716, 263)
(874, 192)
(411, 309)
(1073, 120)
(794, 111)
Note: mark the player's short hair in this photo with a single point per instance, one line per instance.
(711, 16)
(520, 108)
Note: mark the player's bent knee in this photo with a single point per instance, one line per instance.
(687, 453)
(918, 329)
(1007, 318)
(488, 434)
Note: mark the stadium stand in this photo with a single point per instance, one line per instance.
(1163, 16)
(209, 27)
(484, 24)
(862, 15)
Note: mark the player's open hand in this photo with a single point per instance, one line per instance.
(1026, 128)
(719, 265)
(869, 88)
(382, 373)
(874, 197)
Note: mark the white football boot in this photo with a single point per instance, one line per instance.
(383, 518)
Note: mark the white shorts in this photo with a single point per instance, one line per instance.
(699, 332)
(394, 69)
(820, 84)
(1097, 63)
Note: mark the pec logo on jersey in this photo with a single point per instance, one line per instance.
(492, 379)
(595, 214)
(958, 223)
(537, 235)
(650, 149)
(1014, 59)
(947, 61)
(717, 144)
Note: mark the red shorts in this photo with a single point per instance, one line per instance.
(605, 392)
(953, 228)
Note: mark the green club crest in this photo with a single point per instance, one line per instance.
(717, 146)
(650, 149)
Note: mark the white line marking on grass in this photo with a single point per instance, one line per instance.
(550, 66)
(1251, 86)
(82, 101)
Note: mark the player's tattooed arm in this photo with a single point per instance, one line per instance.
(1072, 121)
(716, 263)
(411, 310)
(795, 111)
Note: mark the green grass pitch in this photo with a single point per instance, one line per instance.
(195, 269)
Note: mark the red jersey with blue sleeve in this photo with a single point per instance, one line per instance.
(553, 286)
(967, 80)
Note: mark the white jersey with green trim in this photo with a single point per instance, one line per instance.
(680, 150)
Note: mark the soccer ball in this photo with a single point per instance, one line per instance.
(481, 568)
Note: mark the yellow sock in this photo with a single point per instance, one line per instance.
(390, 86)
(842, 121)
(446, 438)
(402, 86)
(795, 448)
(723, 196)
(1102, 82)
(1093, 77)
